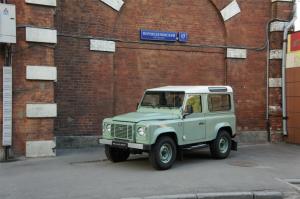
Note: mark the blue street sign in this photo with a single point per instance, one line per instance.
(153, 35)
(183, 36)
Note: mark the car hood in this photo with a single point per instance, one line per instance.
(144, 116)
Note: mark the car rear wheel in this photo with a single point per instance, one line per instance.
(163, 153)
(116, 154)
(220, 147)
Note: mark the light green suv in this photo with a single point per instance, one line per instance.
(170, 120)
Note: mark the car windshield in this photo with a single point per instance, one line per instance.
(159, 99)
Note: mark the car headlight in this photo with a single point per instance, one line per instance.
(108, 128)
(141, 131)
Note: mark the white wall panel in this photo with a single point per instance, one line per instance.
(230, 10)
(236, 53)
(102, 45)
(41, 110)
(41, 35)
(276, 54)
(41, 73)
(277, 26)
(115, 4)
(42, 2)
(274, 82)
(45, 148)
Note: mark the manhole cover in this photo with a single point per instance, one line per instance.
(242, 163)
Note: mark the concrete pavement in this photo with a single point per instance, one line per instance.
(85, 173)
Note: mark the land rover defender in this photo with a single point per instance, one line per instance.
(171, 119)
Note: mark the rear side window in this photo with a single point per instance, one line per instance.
(219, 102)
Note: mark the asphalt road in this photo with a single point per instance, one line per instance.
(86, 174)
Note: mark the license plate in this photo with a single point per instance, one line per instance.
(119, 144)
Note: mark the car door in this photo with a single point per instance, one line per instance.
(194, 123)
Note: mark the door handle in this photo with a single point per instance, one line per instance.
(201, 123)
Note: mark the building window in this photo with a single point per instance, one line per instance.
(219, 102)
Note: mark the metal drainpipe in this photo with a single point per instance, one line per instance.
(283, 67)
(7, 62)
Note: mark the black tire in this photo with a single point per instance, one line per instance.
(219, 150)
(116, 154)
(163, 153)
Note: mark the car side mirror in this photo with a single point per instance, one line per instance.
(188, 110)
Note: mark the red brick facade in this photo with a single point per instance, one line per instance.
(93, 85)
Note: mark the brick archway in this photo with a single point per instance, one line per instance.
(140, 66)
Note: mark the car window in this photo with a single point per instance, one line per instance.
(163, 99)
(219, 102)
(195, 102)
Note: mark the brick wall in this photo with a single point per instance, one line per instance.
(28, 91)
(95, 85)
(283, 11)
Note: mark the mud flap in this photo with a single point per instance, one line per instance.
(234, 145)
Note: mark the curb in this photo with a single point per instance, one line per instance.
(224, 195)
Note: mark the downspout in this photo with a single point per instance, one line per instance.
(283, 67)
(268, 74)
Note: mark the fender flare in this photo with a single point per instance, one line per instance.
(162, 130)
(221, 125)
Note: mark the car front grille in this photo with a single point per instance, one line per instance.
(122, 131)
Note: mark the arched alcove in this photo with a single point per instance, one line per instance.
(140, 66)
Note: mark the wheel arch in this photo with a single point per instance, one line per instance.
(165, 132)
(224, 126)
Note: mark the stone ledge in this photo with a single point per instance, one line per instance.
(252, 137)
(76, 141)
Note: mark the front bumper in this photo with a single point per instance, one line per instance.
(123, 144)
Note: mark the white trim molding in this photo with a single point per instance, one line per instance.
(115, 4)
(41, 35)
(230, 10)
(236, 53)
(102, 45)
(41, 73)
(44, 148)
(41, 110)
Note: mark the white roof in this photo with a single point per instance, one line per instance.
(194, 89)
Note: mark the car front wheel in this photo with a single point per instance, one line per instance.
(220, 147)
(163, 153)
